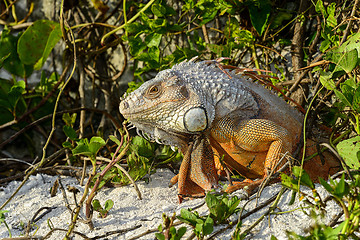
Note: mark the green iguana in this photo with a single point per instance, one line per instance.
(213, 114)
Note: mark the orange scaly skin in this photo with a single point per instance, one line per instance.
(211, 115)
(253, 145)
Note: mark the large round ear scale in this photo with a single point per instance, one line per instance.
(195, 119)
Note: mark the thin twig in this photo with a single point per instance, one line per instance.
(348, 27)
(272, 207)
(34, 123)
(126, 173)
(119, 231)
(82, 112)
(64, 230)
(67, 205)
(242, 217)
(346, 168)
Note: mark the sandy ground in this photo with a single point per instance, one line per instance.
(129, 212)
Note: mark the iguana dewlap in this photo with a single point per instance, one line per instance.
(214, 116)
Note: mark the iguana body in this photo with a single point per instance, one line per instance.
(210, 115)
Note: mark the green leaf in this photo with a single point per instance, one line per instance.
(333, 233)
(95, 144)
(136, 45)
(331, 20)
(2, 215)
(325, 79)
(160, 228)
(135, 28)
(349, 150)
(160, 236)
(8, 52)
(3, 58)
(37, 42)
(233, 204)
(153, 40)
(211, 201)
(207, 10)
(341, 188)
(181, 231)
(259, 15)
(326, 185)
(115, 139)
(5, 86)
(343, 98)
(68, 119)
(70, 132)
(324, 45)
(279, 18)
(350, 44)
(208, 226)
(346, 60)
(82, 148)
(15, 93)
(356, 100)
(172, 230)
(305, 178)
(143, 147)
(53, 39)
(158, 25)
(319, 7)
(96, 205)
(199, 229)
(66, 145)
(208, 16)
(158, 10)
(244, 38)
(348, 88)
(217, 49)
(289, 182)
(154, 53)
(108, 204)
(188, 217)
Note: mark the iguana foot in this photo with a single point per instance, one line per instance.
(247, 185)
(197, 173)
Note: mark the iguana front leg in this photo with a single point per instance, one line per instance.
(197, 171)
(252, 147)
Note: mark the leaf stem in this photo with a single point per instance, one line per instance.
(304, 132)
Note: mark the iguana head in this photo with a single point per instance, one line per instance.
(168, 104)
(185, 100)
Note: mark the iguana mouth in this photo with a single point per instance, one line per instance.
(159, 135)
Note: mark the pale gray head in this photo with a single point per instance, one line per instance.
(167, 104)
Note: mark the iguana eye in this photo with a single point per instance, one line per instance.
(153, 91)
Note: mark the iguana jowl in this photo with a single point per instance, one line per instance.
(212, 114)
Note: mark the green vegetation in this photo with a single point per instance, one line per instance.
(221, 207)
(60, 88)
(2, 220)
